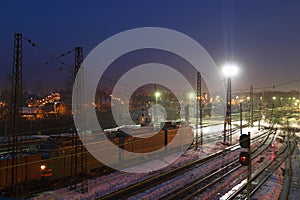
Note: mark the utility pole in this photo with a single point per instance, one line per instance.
(298, 103)
(241, 118)
(154, 107)
(79, 154)
(199, 110)
(249, 173)
(227, 120)
(15, 142)
(251, 105)
(259, 113)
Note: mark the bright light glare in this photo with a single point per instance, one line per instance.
(191, 96)
(43, 167)
(230, 70)
(157, 94)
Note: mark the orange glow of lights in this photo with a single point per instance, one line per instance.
(43, 167)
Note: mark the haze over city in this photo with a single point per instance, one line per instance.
(261, 37)
(150, 100)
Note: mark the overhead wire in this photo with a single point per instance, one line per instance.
(53, 58)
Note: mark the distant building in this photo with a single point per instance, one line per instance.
(49, 110)
(31, 100)
(32, 113)
(3, 109)
(54, 109)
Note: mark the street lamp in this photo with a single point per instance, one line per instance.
(192, 96)
(155, 118)
(228, 70)
(189, 106)
(157, 94)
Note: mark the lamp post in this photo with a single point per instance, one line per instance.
(259, 112)
(228, 70)
(156, 94)
(298, 106)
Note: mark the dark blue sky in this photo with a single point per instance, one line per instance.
(262, 36)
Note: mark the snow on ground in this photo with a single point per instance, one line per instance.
(177, 182)
(295, 181)
(272, 188)
(100, 186)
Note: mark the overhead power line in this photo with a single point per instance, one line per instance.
(52, 57)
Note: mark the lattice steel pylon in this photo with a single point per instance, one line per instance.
(227, 121)
(14, 175)
(200, 104)
(79, 153)
(251, 106)
(199, 111)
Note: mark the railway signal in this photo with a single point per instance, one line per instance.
(245, 140)
(244, 158)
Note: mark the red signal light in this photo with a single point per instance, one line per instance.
(272, 146)
(272, 156)
(244, 158)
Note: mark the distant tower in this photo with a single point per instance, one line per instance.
(16, 88)
(199, 110)
(78, 59)
(227, 121)
(79, 154)
(15, 142)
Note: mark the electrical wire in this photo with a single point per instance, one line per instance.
(53, 58)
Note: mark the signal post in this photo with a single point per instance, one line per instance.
(245, 159)
(249, 172)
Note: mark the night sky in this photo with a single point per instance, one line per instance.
(263, 37)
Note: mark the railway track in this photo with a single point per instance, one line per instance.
(290, 183)
(219, 135)
(200, 187)
(164, 177)
(261, 175)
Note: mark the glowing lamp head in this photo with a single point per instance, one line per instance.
(157, 94)
(230, 70)
(191, 95)
(43, 167)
